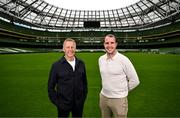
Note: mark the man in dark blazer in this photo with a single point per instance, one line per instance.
(67, 85)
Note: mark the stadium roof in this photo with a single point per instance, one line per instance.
(91, 4)
(38, 13)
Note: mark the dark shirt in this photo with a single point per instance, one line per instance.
(65, 86)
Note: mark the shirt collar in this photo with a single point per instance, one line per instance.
(63, 59)
(112, 58)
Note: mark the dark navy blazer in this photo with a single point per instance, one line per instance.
(65, 86)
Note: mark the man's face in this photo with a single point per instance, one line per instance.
(110, 44)
(69, 49)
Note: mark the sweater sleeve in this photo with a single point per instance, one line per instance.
(132, 77)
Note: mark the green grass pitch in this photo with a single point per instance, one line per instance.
(23, 85)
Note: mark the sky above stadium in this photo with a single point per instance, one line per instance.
(91, 4)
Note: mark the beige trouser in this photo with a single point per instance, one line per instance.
(113, 106)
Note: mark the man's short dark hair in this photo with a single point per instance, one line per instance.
(112, 36)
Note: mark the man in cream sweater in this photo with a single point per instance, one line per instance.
(118, 78)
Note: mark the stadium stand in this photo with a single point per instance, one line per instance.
(37, 24)
(25, 37)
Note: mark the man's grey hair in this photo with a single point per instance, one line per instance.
(69, 39)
